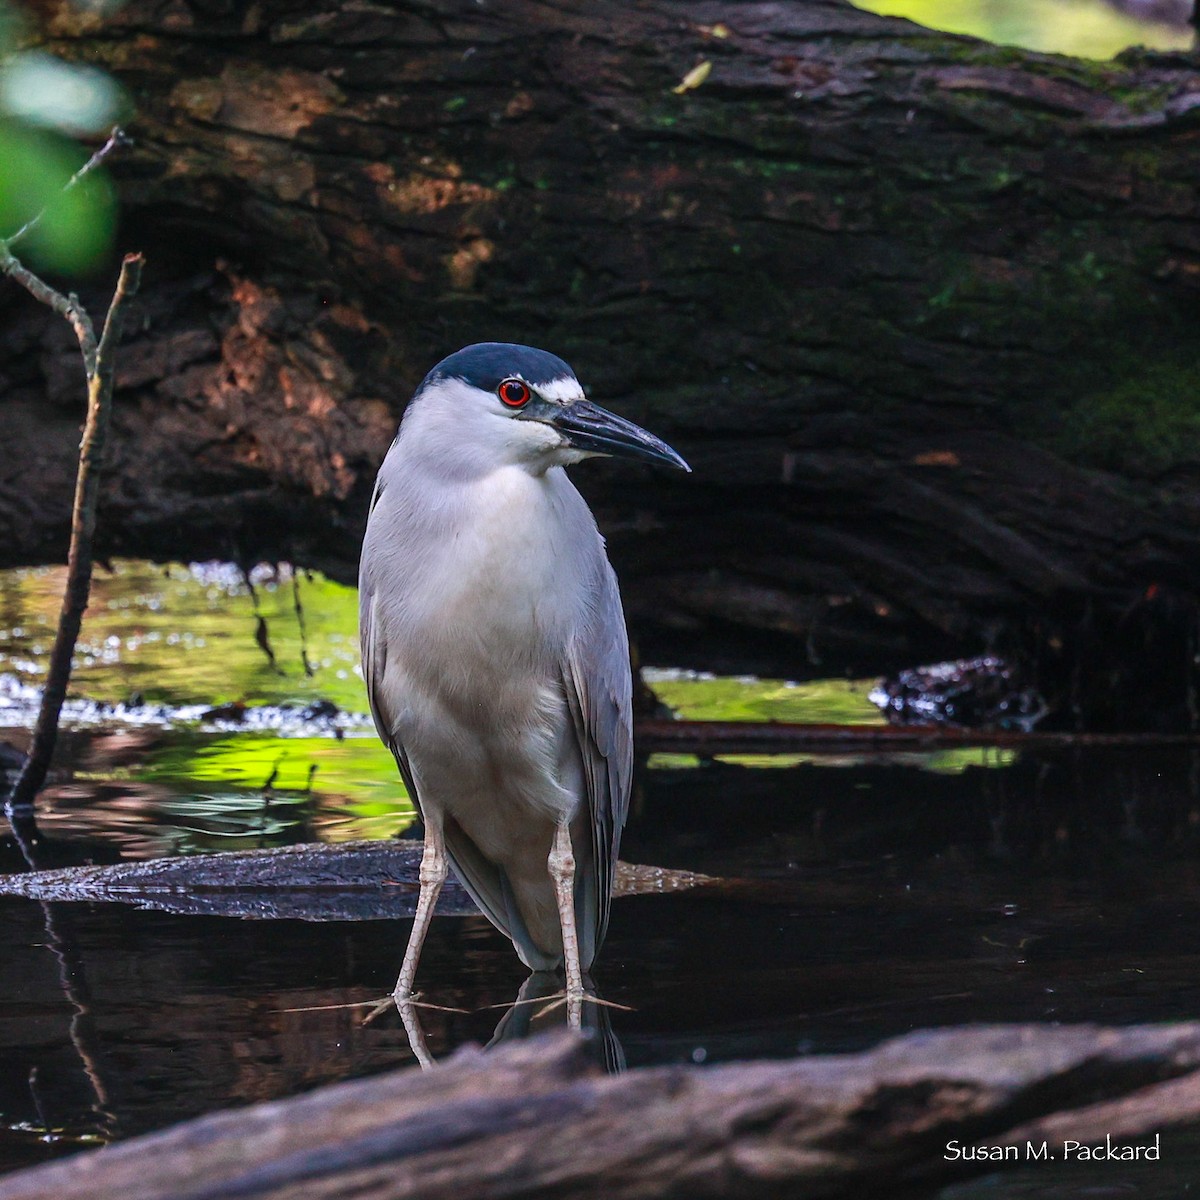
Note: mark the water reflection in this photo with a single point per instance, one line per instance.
(859, 896)
(537, 1009)
(855, 903)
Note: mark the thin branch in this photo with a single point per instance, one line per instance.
(83, 527)
(299, 607)
(117, 140)
(128, 283)
(67, 307)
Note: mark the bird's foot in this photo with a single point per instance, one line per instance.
(399, 998)
(574, 999)
(402, 1000)
(566, 997)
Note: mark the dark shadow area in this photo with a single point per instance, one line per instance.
(858, 900)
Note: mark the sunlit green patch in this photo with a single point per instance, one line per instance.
(177, 635)
(186, 636)
(1082, 28)
(673, 762)
(697, 697)
(359, 819)
(943, 762)
(357, 768)
(243, 790)
(957, 760)
(761, 761)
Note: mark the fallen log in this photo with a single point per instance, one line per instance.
(354, 881)
(536, 1118)
(657, 735)
(916, 308)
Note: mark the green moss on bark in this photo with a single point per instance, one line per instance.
(1147, 423)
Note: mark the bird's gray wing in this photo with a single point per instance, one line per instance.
(374, 661)
(598, 686)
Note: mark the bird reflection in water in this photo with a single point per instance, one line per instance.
(539, 1008)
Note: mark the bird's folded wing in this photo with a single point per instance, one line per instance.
(598, 687)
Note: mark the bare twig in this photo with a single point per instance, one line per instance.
(299, 607)
(67, 307)
(98, 359)
(98, 367)
(116, 140)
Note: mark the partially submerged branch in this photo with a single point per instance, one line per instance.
(98, 365)
(352, 881)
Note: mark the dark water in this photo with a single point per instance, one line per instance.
(862, 899)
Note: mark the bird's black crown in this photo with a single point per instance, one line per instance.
(487, 364)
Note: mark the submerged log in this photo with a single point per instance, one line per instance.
(710, 738)
(917, 309)
(536, 1119)
(353, 881)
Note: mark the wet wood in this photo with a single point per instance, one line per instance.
(353, 881)
(782, 737)
(917, 309)
(536, 1119)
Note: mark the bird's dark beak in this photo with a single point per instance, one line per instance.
(589, 427)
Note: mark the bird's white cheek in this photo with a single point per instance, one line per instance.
(534, 443)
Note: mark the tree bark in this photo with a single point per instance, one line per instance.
(921, 312)
(535, 1119)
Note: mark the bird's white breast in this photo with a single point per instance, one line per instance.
(485, 585)
(494, 580)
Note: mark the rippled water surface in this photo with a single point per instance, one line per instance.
(861, 896)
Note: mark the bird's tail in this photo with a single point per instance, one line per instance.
(490, 887)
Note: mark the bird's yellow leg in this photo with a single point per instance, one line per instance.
(562, 873)
(431, 877)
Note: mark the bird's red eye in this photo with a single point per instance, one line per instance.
(513, 393)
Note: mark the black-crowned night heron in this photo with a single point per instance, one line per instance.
(495, 652)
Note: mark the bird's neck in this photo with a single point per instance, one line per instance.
(435, 442)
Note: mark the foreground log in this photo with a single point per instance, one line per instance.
(353, 881)
(917, 310)
(535, 1119)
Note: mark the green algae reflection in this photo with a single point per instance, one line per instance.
(695, 696)
(189, 638)
(352, 783)
(195, 634)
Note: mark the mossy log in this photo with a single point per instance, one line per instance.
(537, 1119)
(920, 311)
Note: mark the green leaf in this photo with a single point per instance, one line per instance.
(35, 167)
